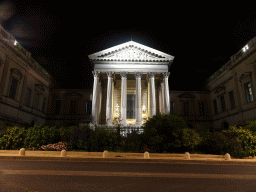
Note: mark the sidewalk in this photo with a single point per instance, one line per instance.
(126, 157)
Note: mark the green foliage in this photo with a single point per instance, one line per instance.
(190, 139)
(236, 141)
(164, 132)
(13, 138)
(251, 125)
(38, 135)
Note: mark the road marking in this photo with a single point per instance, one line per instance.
(126, 174)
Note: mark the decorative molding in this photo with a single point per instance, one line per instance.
(165, 74)
(220, 88)
(16, 72)
(131, 51)
(96, 73)
(186, 95)
(244, 75)
(110, 73)
(151, 74)
(138, 74)
(124, 74)
(40, 87)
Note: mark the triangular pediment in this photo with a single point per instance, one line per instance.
(131, 51)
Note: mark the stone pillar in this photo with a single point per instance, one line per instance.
(123, 97)
(95, 97)
(163, 98)
(152, 94)
(138, 98)
(166, 92)
(109, 98)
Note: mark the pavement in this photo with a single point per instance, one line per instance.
(126, 157)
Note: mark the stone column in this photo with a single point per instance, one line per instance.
(152, 94)
(138, 98)
(166, 92)
(162, 95)
(95, 97)
(123, 97)
(109, 98)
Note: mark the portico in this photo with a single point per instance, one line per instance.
(130, 84)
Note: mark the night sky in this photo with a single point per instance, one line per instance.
(201, 36)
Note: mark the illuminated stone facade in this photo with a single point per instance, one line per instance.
(233, 89)
(130, 84)
(24, 84)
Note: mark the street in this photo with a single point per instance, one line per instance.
(64, 176)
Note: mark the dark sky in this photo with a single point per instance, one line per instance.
(201, 36)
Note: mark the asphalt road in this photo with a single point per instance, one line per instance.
(54, 176)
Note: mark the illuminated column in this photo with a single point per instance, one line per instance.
(109, 98)
(95, 97)
(138, 98)
(162, 95)
(152, 94)
(123, 97)
(166, 92)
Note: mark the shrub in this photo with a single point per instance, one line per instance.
(251, 126)
(236, 141)
(13, 138)
(164, 132)
(38, 135)
(190, 139)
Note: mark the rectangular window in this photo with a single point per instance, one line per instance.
(88, 107)
(232, 99)
(13, 88)
(27, 96)
(248, 92)
(215, 106)
(73, 107)
(171, 107)
(57, 107)
(185, 108)
(223, 104)
(36, 101)
(43, 105)
(201, 108)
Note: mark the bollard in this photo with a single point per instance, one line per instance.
(146, 155)
(105, 154)
(22, 152)
(187, 155)
(227, 157)
(63, 153)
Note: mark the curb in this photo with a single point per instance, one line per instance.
(187, 161)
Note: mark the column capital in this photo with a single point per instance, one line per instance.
(138, 74)
(110, 73)
(96, 73)
(151, 74)
(124, 74)
(165, 74)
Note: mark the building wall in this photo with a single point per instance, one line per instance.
(75, 107)
(18, 72)
(195, 113)
(232, 77)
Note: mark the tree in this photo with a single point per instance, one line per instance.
(163, 133)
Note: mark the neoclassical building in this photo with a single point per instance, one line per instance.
(24, 84)
(130, 84)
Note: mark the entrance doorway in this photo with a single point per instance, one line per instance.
(130, 106)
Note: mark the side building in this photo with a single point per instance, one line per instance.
(233, 89)
(193, 106)
(69, 107)
(24, 85)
